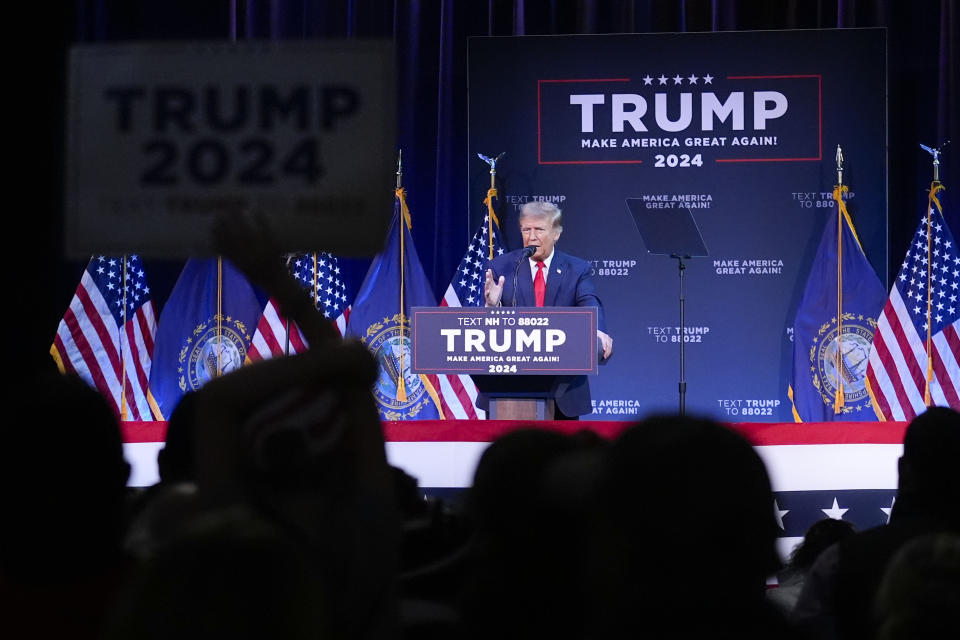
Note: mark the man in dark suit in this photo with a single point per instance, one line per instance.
(548, 278)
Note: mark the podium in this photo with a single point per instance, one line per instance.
(517, 356)
(518, 398)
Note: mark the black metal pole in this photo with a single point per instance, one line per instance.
(682, 386)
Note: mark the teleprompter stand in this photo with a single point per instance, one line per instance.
(674, 233)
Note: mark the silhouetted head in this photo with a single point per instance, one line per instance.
(928, 474)
(410, 499)
(528, 502)
(509, 479)
(229, 574)
(63, 479)
(681, 498)
(819, 536)
(176, 461)
(917, 598)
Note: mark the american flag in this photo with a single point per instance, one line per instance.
(466, 288)
(319, 275)
(897, 373)
(459, 393)
(106, 335)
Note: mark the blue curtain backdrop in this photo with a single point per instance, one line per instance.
(431, 41)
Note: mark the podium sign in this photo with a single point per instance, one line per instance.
(505, 340)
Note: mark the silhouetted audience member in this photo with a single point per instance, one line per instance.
(919, 595)
(432, 529)
(821, 535)
(299, 440)
(63, 488)
(159, 510)
(685, 536)
(227, 574)
(159, 513)
(838, 598)
(176, 461)
(528, 506)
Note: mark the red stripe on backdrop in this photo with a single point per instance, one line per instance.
(760, 434)
(785, 433)
(154, 431)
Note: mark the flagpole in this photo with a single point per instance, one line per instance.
(935, 187)
(286, 319)
(401, 384)
(838, 400)
(219, 314)
(316, 282)
(234, 35)
(491, 194)
(123, 361)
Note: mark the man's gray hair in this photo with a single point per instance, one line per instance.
(541, 209)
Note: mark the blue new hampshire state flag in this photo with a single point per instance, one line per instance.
(205, 329)
(834, 327)
(381, 319)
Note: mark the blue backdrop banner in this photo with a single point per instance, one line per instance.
(739, 127)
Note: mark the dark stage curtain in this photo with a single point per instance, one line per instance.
(431, 42)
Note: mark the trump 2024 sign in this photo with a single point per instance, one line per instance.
(165, 136)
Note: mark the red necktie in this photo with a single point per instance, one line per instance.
(539, 285)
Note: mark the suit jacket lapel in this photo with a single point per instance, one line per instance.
(525, 297)
(557, 266)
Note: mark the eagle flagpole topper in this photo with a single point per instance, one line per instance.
(491, 194)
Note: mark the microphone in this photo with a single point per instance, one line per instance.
(527, 252)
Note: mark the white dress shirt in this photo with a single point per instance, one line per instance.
(546, 267)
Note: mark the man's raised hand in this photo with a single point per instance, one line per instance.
(492, 291)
